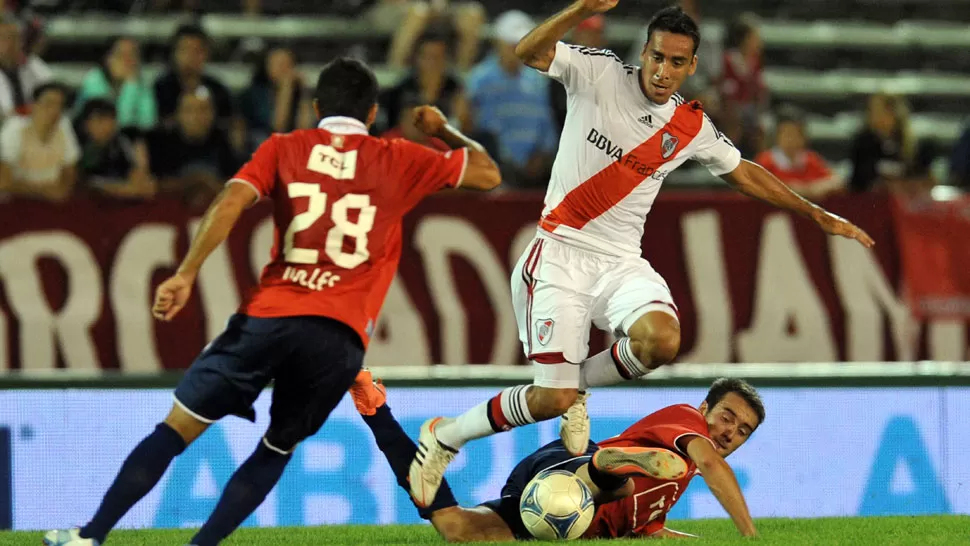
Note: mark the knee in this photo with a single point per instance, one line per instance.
(187, 426)
(551, 402)
(658, 346)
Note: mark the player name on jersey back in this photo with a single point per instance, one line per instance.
(339, 196)
(616, 149)
(317, 280)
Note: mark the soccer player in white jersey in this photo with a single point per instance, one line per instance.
(626, 129)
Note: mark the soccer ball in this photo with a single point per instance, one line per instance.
(556, 505)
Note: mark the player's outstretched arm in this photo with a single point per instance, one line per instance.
(753, 180)
(538, 48)
(481, 171)
(722, 482)
(222, 215)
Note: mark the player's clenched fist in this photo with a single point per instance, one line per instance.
(429, 120)
(171, 296)
(598, 6)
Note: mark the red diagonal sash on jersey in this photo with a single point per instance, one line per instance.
(605, 189)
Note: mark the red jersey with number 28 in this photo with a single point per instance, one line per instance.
(338, 199)
(644, 512)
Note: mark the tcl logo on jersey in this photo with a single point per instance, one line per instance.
(335, 164)
(630, 161)
(318, 280)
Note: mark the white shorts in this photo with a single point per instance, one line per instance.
(559, 290)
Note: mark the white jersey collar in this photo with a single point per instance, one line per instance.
(343, 125)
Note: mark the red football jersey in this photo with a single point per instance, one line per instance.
(645, 511)
(338, 199)
(808, 168)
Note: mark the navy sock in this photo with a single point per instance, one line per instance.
(606, 482)
(400, 449)
(138, 475)
(246, 490)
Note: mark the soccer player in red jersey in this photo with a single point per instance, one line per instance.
(338, 199)
(636, 477)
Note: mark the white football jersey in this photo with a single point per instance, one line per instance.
(616, 149)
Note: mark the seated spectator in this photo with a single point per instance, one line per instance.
(112, 163)
(589, 33)
(960, 161)
(407, 20)
(794, 163)
(512, 102)
(20, 74)
(431, 81)
(190, 53)
(885, 153)
(744, 95)
(39, 152)
(193, 159)
(275, 101)
(119, 79)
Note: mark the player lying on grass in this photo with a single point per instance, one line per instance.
(636, 477)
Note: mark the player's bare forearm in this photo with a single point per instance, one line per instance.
(722, 483)
(753, 180)
(538, 48)
(456, 139)
(218, 221)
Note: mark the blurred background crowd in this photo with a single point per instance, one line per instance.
(129, 100)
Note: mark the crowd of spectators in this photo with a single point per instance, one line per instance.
(121, 136)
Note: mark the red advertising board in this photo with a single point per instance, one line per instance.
(753, 284)
(935, 256)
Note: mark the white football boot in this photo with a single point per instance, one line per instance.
(429, 464)
(574, 426)
(69, 537)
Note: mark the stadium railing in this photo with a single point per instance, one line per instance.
(819, 34)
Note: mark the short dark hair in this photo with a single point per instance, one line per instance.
(98, 107)
(436, 33)
(190, 31)
(346, 87)
(721, 387)
(51, 86)
(675, 20)
(739, 29)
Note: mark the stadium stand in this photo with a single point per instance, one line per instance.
(827, 67)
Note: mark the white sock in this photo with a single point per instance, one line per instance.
(507, 410)
(614, 365)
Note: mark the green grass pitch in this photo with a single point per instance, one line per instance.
(925, 530)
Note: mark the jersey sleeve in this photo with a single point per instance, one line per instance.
(423, 171)
(260, 172)
(715, 151)
(578, 67)
(667, 426)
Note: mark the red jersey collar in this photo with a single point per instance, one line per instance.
(343, 125)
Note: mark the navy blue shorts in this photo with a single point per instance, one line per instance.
(312, 361)
(550, 456)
